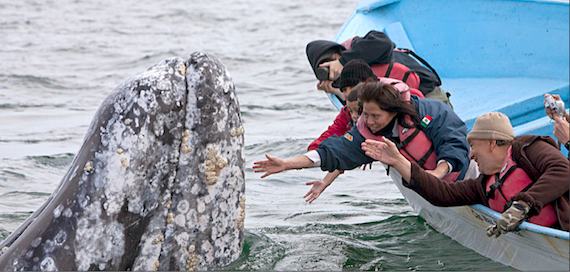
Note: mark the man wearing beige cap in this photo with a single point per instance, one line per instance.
(524, 177)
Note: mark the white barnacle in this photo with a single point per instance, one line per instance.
(170, 218)
(124, 162)
(182, 69)
(221, 162)
(89, 167)
(211, 178)
(240, 220)
(191, 262)
(186, 149)
(237, 131)
(213, 165)
(158, 239)
(211, 153)
(210, 167)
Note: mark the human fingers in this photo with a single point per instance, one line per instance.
(326, 64)
(308, 193)
(313, 197)
(556, 97)
(388, 142)
(259, 164)
(549, 112)
(372, 146)
(367, 145)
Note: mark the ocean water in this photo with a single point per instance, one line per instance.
(59, 60)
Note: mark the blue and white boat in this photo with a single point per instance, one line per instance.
(492, 55)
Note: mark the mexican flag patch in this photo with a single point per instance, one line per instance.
(426, 121)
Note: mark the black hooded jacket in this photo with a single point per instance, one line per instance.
(374, 48)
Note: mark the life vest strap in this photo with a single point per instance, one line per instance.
(410, 52)
(406, 75)
(499, 182)
(405, 142)
(426, 156)
(389, 69)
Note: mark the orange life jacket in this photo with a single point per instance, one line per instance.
(414, 143)
(505, 185)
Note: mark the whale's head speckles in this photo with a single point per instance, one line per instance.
(158, 184)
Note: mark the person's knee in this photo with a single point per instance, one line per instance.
(440, 95)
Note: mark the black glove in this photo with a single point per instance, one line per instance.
(509, 220)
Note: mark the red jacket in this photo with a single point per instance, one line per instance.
(342, 123)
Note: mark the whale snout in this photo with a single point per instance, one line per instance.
(157, 185)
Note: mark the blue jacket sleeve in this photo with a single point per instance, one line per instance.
(343, 153)
(446, 131)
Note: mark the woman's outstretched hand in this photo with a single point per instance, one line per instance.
(271, 166)
(382, 151)
(385, 151)
(318, 187)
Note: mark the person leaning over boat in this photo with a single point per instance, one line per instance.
(377, 50)
(526, 173)
(385, 113)
(354, 72)
(561, 124)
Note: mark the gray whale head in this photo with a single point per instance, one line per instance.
(157, 185)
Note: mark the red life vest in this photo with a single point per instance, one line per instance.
(505, 185)
(414, 143)
(392, 70)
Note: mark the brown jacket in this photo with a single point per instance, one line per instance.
(538, 156)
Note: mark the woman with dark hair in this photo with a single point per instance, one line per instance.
(425, 130)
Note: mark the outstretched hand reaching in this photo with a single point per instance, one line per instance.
(271, 166)
(318, 187)
(383, 151)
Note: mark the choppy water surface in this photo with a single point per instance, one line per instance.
(59, 59)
